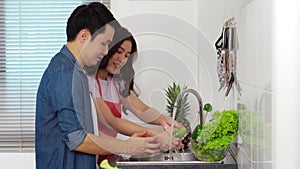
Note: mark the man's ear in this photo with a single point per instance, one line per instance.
(84, 35)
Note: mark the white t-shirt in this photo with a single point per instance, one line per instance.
(108, 89)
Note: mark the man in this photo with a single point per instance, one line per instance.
(65, 134)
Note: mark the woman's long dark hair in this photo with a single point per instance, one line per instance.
(126, 73)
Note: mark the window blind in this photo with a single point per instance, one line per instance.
(31, 33)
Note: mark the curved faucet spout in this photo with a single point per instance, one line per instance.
(200, 103)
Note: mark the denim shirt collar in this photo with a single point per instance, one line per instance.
(64, 50)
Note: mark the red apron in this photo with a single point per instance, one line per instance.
(115, 108)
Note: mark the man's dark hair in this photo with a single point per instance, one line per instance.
(93, 16)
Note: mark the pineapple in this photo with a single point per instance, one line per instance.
(183, 108)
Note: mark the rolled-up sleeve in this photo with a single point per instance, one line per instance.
(72, 131)
(75, 139)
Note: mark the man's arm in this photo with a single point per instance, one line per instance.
(88, 146)
(104, 144)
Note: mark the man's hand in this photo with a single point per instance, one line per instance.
(164, 140)
(136, 145)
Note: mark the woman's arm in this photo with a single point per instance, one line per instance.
(128, 128)
(146, 113)
(121, 125)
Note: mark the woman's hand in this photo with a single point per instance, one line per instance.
(167, 123)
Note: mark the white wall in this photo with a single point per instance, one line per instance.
(179, 46)
(268, 69)
(286, 70)
(255, 76)
(211, 18)
(198, 68)
(167, 37)
(17, 160)
(253, 71)
(176, 43)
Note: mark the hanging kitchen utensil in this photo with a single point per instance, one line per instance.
(227, 47)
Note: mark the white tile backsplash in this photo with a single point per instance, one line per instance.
(254, 57)
(255, 76)
(255, 128)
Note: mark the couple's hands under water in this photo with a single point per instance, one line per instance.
(163, 138)
(140, 145)
(143, 144)
(167, 125)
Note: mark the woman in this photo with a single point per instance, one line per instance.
(112, 87)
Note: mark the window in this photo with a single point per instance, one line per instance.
(31, 33)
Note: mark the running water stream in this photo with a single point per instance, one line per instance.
(180, 95)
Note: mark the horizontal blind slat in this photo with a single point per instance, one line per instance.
(31, 33)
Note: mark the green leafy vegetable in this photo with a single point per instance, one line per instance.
(214, 138)
(179, 133)
(207, 107)
(196, 131)
(254, 129)
(105, 165)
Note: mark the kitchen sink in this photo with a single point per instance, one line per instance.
(175, 161)
(163, 159)
(166, 157)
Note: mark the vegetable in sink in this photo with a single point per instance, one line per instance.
(105, 165)
(179, 133)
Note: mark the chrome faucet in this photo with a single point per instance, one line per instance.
(180, 95)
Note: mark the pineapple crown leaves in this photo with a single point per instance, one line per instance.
(182, 106)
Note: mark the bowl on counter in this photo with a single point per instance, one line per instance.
(210, 155)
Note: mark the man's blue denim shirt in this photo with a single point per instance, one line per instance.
(63, 115)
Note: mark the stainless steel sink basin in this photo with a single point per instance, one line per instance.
(173, 165)
(181, 160)
(178, 161)
(165, 157)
